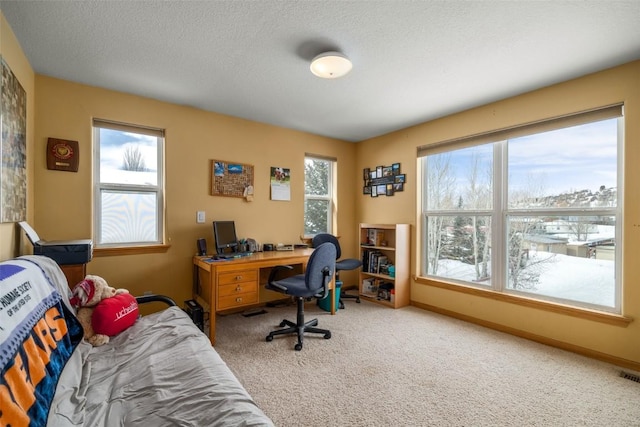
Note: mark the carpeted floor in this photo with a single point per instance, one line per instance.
(410, 367)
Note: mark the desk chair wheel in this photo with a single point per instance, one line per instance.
(269, 338)
(327, 335)
(298, 347)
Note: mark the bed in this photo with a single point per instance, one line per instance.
(162, 371)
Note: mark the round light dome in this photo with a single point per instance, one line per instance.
(330, 65)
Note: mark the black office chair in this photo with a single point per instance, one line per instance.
(341, 264)
(314, 283)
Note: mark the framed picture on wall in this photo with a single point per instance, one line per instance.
(389, 190)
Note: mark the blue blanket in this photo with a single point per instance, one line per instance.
(38, 334)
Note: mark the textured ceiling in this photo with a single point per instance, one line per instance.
(413, 61)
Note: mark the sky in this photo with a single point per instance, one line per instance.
(555, 162)
(565, 160)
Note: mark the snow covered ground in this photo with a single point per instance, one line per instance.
(586, 280)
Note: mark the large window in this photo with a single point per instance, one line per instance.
(128, 194)
(532, 211)
(318, 195)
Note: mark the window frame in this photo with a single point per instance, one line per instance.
(120, 248)
(330, 197)
(501, 212)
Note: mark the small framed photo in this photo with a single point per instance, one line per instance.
(389, 191)
(395, 168)
(379, 172)
(387, 171)
(374, 191)
(381, 189)
(218, 168)
(366, 173)
(372, 175)
(398, 186)
(400, 178)
(234, 169)
(366, 189)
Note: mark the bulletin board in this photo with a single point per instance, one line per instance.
(231, 179)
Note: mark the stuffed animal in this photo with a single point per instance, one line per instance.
(103, 311)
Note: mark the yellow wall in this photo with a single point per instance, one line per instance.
(59, 203)
(620, 84)
(12, 54)
(63, 199)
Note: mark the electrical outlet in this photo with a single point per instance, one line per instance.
(200, 218)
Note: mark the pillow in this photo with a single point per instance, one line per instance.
(38, 334)
(115, 314)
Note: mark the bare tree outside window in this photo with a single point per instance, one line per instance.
(133, 160)
(528, 214)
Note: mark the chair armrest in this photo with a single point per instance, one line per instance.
(274, 272)
(155, 298)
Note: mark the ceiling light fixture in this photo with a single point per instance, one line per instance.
(330, 65)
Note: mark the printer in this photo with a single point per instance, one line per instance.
(64, 252)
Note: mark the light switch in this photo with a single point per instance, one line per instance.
(200, 218)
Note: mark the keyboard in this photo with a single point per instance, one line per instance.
(232, 255)
(242, 254)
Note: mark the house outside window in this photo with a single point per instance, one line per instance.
(534, 211)
(128, 185)
(318, 195)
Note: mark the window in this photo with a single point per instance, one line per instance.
(533, 211)
(128, 179)
(318, 195)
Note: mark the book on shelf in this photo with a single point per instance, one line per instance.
(375, 237)
(372, 260)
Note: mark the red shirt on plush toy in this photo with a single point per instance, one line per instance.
(103, 311)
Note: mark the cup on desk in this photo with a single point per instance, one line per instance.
(268, 247)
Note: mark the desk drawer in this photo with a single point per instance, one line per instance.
(237, 277)
(238, 288)
(231, 301)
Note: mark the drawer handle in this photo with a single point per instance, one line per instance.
(238, 277)
(238, 299)
(239, 289)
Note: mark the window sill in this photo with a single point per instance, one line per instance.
(582, 313)
(130, 250)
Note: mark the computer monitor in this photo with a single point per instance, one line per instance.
(224, 233)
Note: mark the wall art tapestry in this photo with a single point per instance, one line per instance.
(13, 148)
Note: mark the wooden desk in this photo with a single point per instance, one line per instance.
(74, 273)
(230, 284)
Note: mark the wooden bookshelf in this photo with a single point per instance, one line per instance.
(382, 246)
